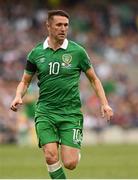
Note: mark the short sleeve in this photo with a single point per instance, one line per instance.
(85, 63)
(31, 56)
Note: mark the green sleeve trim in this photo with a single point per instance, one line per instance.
(88, 67)
(29, 72)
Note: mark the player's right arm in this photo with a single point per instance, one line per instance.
(21, 90)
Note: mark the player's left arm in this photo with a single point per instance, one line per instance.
(106, 110)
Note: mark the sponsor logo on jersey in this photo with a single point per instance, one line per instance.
(67, 58)
(42, 60)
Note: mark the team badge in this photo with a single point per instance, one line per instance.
(67, 58)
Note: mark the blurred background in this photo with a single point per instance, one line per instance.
(108, 29)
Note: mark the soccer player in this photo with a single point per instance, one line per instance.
(58, 63)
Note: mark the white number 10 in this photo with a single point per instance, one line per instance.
(54, 68)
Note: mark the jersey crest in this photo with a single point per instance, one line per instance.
(67, 58)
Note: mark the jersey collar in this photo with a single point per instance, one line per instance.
(63, 46)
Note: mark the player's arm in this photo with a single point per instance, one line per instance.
(21, 90)
(106, 110)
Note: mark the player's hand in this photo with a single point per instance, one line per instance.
(16, 103)
(107, 112)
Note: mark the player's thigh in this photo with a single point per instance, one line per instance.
(46, 132)
(71, 137)
(71, 130)
(70, 146)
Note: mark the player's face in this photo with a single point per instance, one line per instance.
(58, 27)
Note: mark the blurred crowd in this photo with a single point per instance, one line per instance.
(109, 33)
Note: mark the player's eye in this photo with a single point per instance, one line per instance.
(66, 24)
(59, 24)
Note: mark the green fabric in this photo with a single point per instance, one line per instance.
(59, 174)
(30, 109)
(66, 130)
(58, 74)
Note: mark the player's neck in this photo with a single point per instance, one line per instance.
(54, 44)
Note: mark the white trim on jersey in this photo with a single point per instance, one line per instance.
(63, 46)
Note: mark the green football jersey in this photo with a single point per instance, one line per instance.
(58, 74)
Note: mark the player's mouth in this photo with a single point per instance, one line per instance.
(62, 34)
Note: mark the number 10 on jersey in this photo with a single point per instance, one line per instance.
(54, 67)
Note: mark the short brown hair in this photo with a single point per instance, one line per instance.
(52, 13)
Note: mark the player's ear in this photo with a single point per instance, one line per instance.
(47, 24)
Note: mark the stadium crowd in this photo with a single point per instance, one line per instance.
(109, 32)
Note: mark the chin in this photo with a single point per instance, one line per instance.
(61, 38)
